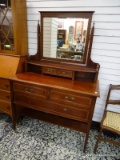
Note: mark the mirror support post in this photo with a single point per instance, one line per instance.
(89, 61)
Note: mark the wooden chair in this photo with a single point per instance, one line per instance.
(110, 120)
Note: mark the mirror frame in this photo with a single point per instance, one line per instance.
(66, 14)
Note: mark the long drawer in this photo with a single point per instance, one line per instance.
(5, 107)
(5, 95)
(76, 100)
(4, 84)
(50, 107)
(30, 90)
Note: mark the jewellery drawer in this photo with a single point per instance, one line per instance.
(48, 70)
(5, 95)
(5, 106)
(76, 100)
(53, 108)
(28, 89)
(64, 73)
(4, 84)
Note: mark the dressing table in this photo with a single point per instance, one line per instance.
(61, 91)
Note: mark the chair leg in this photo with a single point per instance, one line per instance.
(96, 145)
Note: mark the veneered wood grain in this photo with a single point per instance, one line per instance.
(87, 88)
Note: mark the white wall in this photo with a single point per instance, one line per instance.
(106, 43)
(50, 37)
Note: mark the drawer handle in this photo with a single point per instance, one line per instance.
(65, 109)
(73, 99)
(69, 99)
(49, 70)
(63, 72)
(28, 90)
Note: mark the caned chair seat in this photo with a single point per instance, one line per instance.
(112, 120)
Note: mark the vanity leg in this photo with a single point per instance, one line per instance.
(14, 123)
(85, 143)
(14, 118)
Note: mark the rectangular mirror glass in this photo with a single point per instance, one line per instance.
(64, 38)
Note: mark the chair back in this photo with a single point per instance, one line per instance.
(114, 90)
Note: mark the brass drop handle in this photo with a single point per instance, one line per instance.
(28, 90)
(63, 72)
(65, 109)
(73, 99)
(69, 99)
(49, 70)
(66, 97)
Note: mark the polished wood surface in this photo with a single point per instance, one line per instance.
(20, 27)
(88, 88)
(4, 84)
(5, 107)
(71, 101)
(9, 65)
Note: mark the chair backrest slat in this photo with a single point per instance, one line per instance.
(113, 102)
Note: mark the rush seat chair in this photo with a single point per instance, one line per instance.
(111, 120)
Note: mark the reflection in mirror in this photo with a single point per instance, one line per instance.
(64, 38)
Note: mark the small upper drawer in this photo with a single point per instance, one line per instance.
(4, 84)
(28, 89)
(5, 95)
(48, 70)
(64, 73)
(70, 98)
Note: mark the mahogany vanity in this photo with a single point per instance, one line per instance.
(58, 90)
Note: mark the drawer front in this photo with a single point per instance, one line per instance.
(5, 95)
(27, 89)
(5, 107)
(53, 108)
(48, 70)
(4, 84)
(64, 73)
(76, 100)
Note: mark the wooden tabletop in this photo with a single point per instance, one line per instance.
(88, 88)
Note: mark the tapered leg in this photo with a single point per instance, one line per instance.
(85, 143)
(14, 118)
(14, 123)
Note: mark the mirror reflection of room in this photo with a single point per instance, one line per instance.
(64, 38)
